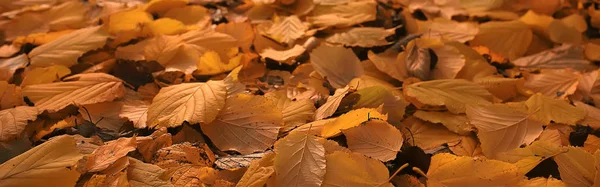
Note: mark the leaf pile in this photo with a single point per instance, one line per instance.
(251, 93)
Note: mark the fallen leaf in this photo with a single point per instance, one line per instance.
(349, 120)
(425, 135)
(11, 65)
(541, 181)
(516, 123)
(45, 75)
(353, 169)
(362, 37)
(295, 113)
(565, 56)
(11, 95)
(592, 115)
(343, 15)
(337, 64)
(246, 124)
(546, 109)
(458, 124)
(451, 30)
(55, 158)
(386, 62)
(299, 160)
(78, 89)
(553, 83)
(454, 94)
(191, 102)
(109, 153)
(332, 103)
(66, 49)
(376, 139)
(575, 167)
(450, 170)
(286, 56)
(142, 174)
(529, 157)
(510, 38)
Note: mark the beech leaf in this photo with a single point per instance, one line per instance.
(299, 160)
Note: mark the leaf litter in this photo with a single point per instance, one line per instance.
(253, 93)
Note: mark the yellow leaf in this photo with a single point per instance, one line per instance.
(191, 102)
(467, 146)
(259, 172)
(66, 49)
(314, 127)
(128, 21)
(454, 122)
(210, 64)
(337, 64)
(53, 159)
(354, 169)
(450, 170)
(454, 94)
(449, 29)
(79, 89)
(349, 120)
(103, 157)
(135, 109)
(247, 123)
(142, 174)
(554, 83)
(40, 38)
(299, 160)
(386, 62)
(11, 95)
(283, 56)
(516, 125)
(575, 167)
(530, 156)
(188, 15)
(376, 139)
(62, 124)
(362, 37)
(295, 113)
(592, 115)
(590, 51)
(546, 109)
(475, 65)
(426, 135)
(541, 181)
(166, 26)
(190, 175)
(591, 144)
(162, 6)
(502, 88)
(242, 32)
(511, 38)
(45, 75)
(332, 103)
(13, 121)
(343, 15)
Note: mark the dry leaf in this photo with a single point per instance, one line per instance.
(55, 158)
(10, 65)
(66, 49)
(362, 37)
(425, 135)
(454, 94)
(79, 89)
(332, 103)
(45, 75)
(565, 56)
(194, 176)
(451, 30)
(246, 124)
(511, 39)
(283, 56)
(592, 116)
(575, 167)
(11, 95)
(386, 62)
(106, 155)
(299, 160)
(541, 181)
(376, 139)
(287, 30)
(546, 109)
(516, 125)
(337, 64)
(530, 156)
(467, 146)
(353, 169)
(458, 124)
(553, 83)
(191, 102)
(349, 120)
(450, 170)
(142, 174)
(295, 113)
(343, 15)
